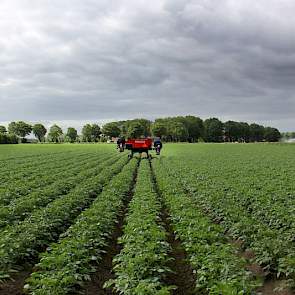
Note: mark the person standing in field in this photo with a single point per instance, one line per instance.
(121, 144)
(158, 145)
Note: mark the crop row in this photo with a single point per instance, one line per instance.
(21, 188)
(271, 202)
(217, 267)
(21, 208)
(273, 245)
(16, 174)
(20, 242)
(142, 264)
(69, 262)
(24, 158)
(31, 163)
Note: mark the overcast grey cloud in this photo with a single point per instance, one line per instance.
(73, 61)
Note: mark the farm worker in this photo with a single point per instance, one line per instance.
(121, 144)
(158, 145)
(119, 141)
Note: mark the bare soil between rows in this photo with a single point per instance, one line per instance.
(16, 285)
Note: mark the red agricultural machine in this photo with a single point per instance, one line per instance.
(142, 145)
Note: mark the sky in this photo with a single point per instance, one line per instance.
(72, 62)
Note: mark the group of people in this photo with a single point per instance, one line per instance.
(157, 144)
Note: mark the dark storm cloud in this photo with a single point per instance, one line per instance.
(76, 61)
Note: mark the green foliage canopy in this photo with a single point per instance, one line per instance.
(55, 133)
(111, 129)
(3, 130)
(39, 131)
(72, 134)
(213, 130)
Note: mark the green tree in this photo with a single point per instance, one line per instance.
(232, 131)
(3, 130)
(8, 138)
(272, 134)
(256, 132)
(135, 130)
(87, 133)
(245, 131)
(21, 129)
(72, 134)
(111, 129)
(12, 128)
(146, 125)
(178, 131)
(39, 131)
(213, 130)
(95, 132)
(195, 127)
(159, 129)
(126, 125)
(55, 133)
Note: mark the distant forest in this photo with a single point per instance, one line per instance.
(170, 129)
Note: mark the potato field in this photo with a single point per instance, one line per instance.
(198, 219)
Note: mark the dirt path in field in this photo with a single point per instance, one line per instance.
(182, 275)
(104, 268)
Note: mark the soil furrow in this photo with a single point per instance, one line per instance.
(181, 275)
(15, 287)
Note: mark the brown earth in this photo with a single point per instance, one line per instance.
(274, 287)
(16, 285)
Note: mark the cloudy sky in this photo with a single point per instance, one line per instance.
(73, 61)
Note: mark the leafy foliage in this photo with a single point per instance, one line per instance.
(72, 134)
(248, 192)
(142, 263)
(214, 260)
(58, 272)
(111, 129)
(21, 241)
(39, 131)
(55, 133)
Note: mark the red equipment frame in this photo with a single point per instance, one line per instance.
(141, 145)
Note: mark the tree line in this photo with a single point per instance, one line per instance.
(170, 129)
